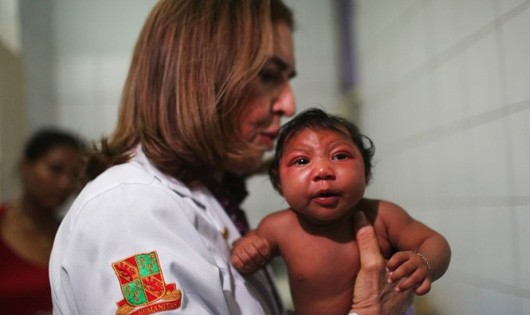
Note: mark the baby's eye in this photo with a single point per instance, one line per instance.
(341, 156)
(301, 161)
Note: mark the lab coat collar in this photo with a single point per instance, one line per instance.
(199, 194)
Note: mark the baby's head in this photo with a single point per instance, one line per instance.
(317, 119)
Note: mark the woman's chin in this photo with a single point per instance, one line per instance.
(246, 166)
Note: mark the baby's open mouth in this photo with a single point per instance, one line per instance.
(327, 198)
(327, 193)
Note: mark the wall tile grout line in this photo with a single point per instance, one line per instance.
(484, 283)
(466, 202)
(425, 137)
(449, 54)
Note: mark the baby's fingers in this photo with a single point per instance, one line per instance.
(259, 252)
(241, 262)
(244, 262)
(396, 260)
(424, 287)
(250, 254)
(413, 281)
(262, 248)
(402, 271)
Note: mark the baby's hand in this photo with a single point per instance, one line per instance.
(249, 253)
(411, 271)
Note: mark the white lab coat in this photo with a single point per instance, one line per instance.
(133, 209)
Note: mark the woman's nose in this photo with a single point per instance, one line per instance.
(67, 182)
(285, 105)
(64, 182)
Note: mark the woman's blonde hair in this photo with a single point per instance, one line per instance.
(190, 68)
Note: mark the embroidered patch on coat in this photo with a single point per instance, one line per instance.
(143, 286)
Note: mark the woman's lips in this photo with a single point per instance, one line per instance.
(268, 138)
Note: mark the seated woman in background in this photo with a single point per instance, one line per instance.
(51, 171)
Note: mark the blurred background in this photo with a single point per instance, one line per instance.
(441, 86)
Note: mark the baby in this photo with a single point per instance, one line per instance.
(321, 167)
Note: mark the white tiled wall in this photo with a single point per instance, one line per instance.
(88, 90)
(445, 95)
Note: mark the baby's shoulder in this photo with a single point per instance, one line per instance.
(275, 226)
(373, 208)
(382, 213)
(284, 217)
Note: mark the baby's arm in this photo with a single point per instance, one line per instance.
(257, 247)
(424, 253)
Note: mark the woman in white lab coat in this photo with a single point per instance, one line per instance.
(207, 86)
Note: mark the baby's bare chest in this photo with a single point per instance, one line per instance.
(322, 262)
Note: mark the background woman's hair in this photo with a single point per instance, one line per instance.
(44, 140)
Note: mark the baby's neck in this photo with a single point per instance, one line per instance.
(340, 231)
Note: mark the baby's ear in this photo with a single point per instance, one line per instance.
(275, 180)
(278, 187)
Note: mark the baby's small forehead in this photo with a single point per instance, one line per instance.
(339, 130)
(309, 138)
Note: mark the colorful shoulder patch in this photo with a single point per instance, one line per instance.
(143, 286)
